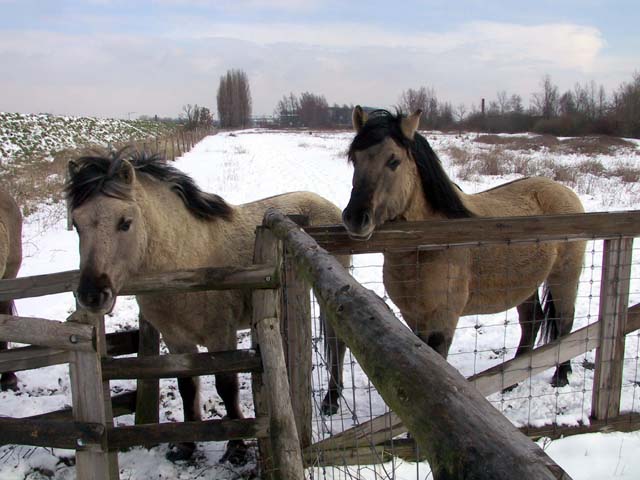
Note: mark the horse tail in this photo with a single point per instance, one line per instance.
(550, 328)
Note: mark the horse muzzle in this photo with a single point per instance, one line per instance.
(359, 224)
(96, 295)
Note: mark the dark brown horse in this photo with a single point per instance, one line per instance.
(10, 259)
(135, 214)
(398, 177)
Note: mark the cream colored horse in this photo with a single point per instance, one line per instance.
(10, 259)
(138, 215)
(398, 177)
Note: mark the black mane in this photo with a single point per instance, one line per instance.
(102, 172)
(439, 191)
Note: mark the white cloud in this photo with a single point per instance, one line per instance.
(112, 74)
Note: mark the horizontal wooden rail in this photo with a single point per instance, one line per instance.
(204, 431)
(49, 433)
(482, 230)
(47, 333)
(122, 404)
(186, 364)
(207, 278)
(27, 358)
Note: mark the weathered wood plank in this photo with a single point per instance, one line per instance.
(208, 278)
(92, 402)
(148, 398)
(485, 230)
(47, 333)
(204, 431)
(285, 445)
(27, 358)
(215, 278)
(461, 433)
(49, 433)
(30, 357)
(296, 327)
(186, 364)
(39, 285)
(122, 404)
(614, 298)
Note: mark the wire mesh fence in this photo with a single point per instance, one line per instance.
(481, 342)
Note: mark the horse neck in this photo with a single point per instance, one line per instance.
(418, 207)
(175, 237)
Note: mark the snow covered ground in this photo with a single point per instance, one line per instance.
(247, 165)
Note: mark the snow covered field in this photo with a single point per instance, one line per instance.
(248, 165)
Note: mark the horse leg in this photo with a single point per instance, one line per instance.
(189, 388)
(530, 317)
(559, 309)
(8, 380)
(227, 387)
(334, 350)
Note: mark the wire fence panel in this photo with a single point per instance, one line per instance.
(481, 342)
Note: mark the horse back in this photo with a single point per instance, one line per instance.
(527, 196)
(318, 209)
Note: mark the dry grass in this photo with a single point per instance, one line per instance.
(594, 145)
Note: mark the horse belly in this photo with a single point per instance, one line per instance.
(209, 319)
(505, 276)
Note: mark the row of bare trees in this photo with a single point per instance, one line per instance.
(234, 100)
(311, 111)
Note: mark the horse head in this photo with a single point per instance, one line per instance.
(110, 225)
(384, 176)
(396, 175)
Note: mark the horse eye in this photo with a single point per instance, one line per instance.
(124, 224)
(393, 162)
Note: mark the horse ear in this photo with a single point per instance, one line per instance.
(359, 118)
(127, 173)
(410, 124)
(72, 168)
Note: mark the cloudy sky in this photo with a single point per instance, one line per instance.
(114, 57)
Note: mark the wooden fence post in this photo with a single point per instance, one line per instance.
(147, 391)
(296, 329)
(284, 460)
(614, 300)
(92, 403)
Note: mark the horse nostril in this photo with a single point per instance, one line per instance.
(366, 219)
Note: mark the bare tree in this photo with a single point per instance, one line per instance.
(421, 99)
(545, 102)
(314, 110)
(234, 100)
(287, 110)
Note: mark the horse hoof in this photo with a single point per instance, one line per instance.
(559, 382)
(510, 388)
(181, 451)
(327, 409)
(9, 381)
(236, 453)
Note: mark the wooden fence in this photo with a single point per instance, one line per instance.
(606, 335)
(287, 262)
(81, 342)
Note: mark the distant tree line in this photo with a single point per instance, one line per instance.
(583, 110)
(197, 117)
(311, 111)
